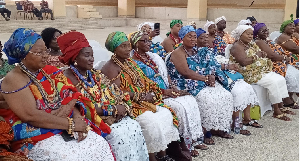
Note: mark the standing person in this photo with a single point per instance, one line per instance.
(29, 6)
(4, 10)
(173, 40)
(221, 26)
(4, 66)
(45, 8)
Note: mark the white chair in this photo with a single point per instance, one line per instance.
(100, 53)
(99, 65)
(274, 35)
(263, 99)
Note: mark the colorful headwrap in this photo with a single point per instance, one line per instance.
(191, 23)
(200, 31)
(174, 22)
(285, 23)
(206, 26)
(244, 22)
(185, 30)
(296, 22)
(19, 44)
(251, 18)
(145, 23)
(135, 37)
(70, 45)
(257, 27)
(217, 20)
(114, 40)
(236, 33)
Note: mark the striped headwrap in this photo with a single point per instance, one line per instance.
(114, 40)
(135, 37)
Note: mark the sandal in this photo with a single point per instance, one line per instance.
(225, 135)
(194, 153)
(293, 106)
(208, 140)
(199, 145)
(282, 117)
(164, 158)
(245, 132)
(254, 123)
(287, 111)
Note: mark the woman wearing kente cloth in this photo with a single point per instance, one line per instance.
(172, 41)
(112, 105)
(200, 75)
(158, 121)
(243, 94)
(221, 26)
(50, 36)
(214, 41)
(4, 66)
(181, 102)
(296, 33)
(257, 69)
(281, 62)
(51, 123)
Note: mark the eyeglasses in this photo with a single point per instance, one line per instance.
(46, 52)
(264, 31)
(145, 41)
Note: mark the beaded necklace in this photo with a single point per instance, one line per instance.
(53, 98)
(148, 61)
(246, 46)
(86, 86)
(176, 40)
(129, 69)
(89, 76)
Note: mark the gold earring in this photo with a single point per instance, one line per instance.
(75, 63)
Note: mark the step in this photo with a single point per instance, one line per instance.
(85, 6)
(92, 13)
(90, 9)
(96, 16)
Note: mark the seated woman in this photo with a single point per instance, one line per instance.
(172, 41)
(51, 123)
(214, 41)
(184, 105)
(50, 36)
(281, 60)
(158, 121)
(296, 33)
(257, 69)
(243, 94)
(221, 26)
(197, 73)
(4, 66)
(126, 137)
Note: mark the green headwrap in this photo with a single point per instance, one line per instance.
(114, 40)
(285, 23)
(173, 23)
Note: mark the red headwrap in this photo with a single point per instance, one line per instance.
(70, 45)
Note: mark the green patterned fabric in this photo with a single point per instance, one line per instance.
(135, 37)
(5, 68)
(285, 23)
(114, 40)
(174, 22)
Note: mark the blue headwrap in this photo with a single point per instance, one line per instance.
(296, 22)
(200, 31)
(19, 44)
(185, 30)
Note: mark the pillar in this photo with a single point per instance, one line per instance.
(197, 9)
(290, 8)
(58, 7)
(126, 8)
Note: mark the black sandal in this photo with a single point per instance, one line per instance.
(164, 158)
(252, 122)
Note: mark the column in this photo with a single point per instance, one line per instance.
(290, 8)
(126, 8)
(197, 9)
(58, 7)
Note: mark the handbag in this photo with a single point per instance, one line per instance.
(255, 113)
(233, 75)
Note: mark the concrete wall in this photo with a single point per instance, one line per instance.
(160, 12)
(107, 11)
(93, 2)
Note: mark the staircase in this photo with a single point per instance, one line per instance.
(87, 11)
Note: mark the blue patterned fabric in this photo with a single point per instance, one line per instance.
(200, 31)
(158, 49)
(19, 44)
(203, 63)
(185, 30)
(149, 72)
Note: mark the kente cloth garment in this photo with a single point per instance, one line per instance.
(276, 86)
(185, 107)
(217, 20)
(292, 79)
(19, 44)
(236, 33)
(203, 63)
(140, 26)
(185, 30)
(215, 103)
(200, 31)
(5, 68)
(294, 57)
(126, 137)
(258, 69)
(114, 40)
(157, 127)
(70, 45)
(242, 92)
(257, 27)
(285, 23)
(26, 135)
(206, 26)
(228, 39)
(172, 24)
(279, 67)
(54, 61)
(244, 22)
(219, 45)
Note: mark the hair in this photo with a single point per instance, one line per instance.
(47, 35)
(251, 18)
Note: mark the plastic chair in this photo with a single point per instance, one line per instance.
(20, 9)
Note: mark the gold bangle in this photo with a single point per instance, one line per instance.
(71, 127)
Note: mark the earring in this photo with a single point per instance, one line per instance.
(75, 63)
